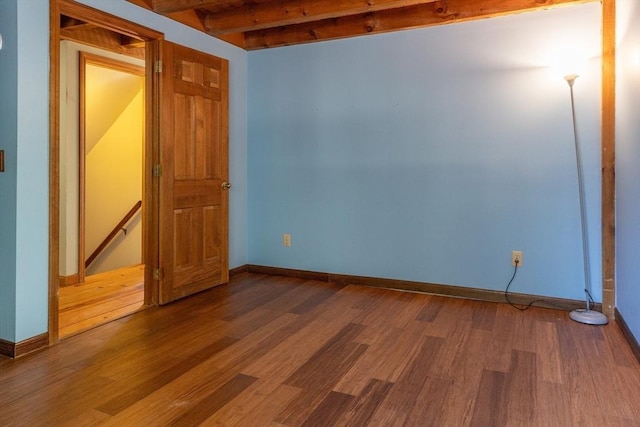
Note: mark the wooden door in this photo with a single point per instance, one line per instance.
(193, 214)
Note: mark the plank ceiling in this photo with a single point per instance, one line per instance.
(259, 24)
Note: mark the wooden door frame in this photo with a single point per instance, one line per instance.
(152, 40)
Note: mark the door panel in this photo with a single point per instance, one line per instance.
(194, 157)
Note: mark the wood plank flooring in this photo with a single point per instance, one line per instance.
(100, 299)
(275, 351)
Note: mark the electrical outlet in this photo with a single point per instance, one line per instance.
(516, 256)
(286, 239)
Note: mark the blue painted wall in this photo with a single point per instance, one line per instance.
(24, 216)
(429, 155)
(8, 138)
(32, 199)
(628, 164)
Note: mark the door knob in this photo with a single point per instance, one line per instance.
(226, 185)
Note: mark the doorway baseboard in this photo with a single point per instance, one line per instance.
(15, 350)
(70, 280)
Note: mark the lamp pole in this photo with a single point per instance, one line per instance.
(585, 315)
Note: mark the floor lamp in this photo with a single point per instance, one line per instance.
(585, 315)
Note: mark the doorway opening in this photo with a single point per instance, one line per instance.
(103, 110)
(101, 186)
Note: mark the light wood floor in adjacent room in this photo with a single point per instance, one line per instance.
(100, 299)
(273, 351)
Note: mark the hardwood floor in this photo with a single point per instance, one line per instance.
(100, 299)
(273, 351)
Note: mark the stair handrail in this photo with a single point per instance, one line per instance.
(113, 233)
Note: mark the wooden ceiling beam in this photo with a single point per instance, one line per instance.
(171, 6)
(184, 16)
(423, 15)
(259, 16)
(188, 17)
(192, 19)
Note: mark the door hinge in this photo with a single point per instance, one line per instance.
(157, 170)
(157, 274)
(157, 67)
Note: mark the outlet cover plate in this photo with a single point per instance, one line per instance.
(516, 255)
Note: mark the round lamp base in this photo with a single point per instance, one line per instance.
(589, 317)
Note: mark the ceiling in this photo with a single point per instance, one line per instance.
(260, 24)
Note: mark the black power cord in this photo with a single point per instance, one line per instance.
(506, 292)
(523, 307)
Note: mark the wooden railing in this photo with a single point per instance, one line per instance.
(113, 233)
